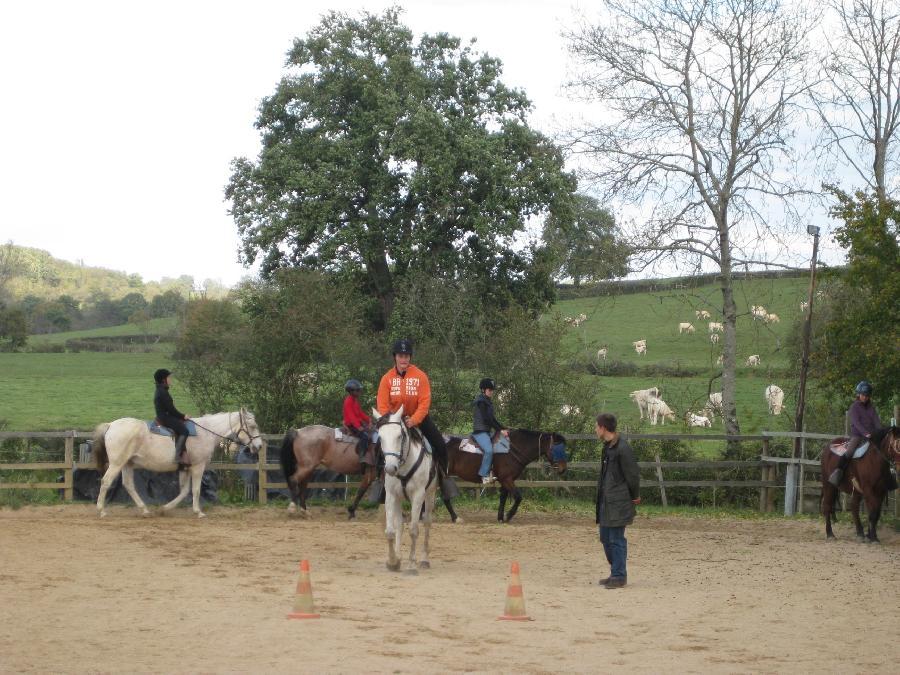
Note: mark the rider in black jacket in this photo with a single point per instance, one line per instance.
(169, 416)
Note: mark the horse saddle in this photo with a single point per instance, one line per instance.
(156, 428)
(840, 449)
(469, 444)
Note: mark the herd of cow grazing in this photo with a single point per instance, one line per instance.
(657, 411)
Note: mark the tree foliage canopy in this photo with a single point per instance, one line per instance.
(859, 333)
(382, 153)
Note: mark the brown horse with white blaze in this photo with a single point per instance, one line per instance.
(305, 449)
(868, 477)
(525, 446)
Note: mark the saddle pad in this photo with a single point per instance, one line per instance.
(840, 449)
(155, 428)
(501, 447)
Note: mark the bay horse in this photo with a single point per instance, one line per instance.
(127, 444)
(866, 478)
(304, 449)
(410, 472)
(525, 446)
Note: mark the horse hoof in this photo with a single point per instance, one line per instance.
(103, 514)
(201, 515)
(425, 565)
(304, 513)
(393, 567)
(145, 513)
(351, 515)
(411, 572)
(458, 521)
(292, 508)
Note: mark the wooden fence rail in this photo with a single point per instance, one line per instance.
(767, 466)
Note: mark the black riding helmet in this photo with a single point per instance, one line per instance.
(402, 346)
(353, 385)
(864, 387)
(486, 383)
(160, 375)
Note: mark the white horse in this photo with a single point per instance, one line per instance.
(409, 472)
(127, 444)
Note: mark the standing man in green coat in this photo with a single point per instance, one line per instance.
(618, 492)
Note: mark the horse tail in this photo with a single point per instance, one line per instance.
(288, 459)
(99, 447)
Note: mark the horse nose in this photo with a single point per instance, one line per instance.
(390, 470)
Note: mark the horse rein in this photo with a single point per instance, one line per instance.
(235, 436)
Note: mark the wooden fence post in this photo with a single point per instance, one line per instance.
(770, 492)
(70, 453)
(662, 485)
(263, 476)
(763, 492)
(802, 474)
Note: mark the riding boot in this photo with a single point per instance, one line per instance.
(180, 456)
(838, 474)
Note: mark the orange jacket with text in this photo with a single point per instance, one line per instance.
(412, 390)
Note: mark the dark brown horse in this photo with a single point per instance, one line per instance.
(868, 477)
(524, 447)
(303, 450)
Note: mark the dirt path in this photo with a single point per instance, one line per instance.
(175, 594)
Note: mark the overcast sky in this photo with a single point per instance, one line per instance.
(118, 120)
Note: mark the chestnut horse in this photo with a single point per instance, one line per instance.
(303, 450)
(868, 477)
(524, 447)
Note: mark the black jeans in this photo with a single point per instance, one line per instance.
(174, 424)
(436, 439)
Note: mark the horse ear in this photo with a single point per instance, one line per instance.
(243, 410)
(375, 414)
(400, 413)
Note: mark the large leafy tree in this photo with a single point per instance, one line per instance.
(586, 246)
(859, 330)
(382, 153)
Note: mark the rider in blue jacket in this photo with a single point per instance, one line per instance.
(864, 421)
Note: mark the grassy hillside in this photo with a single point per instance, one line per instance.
(65, 391)
(161, 326)
(46, 392)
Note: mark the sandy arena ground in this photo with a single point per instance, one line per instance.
(176, 594)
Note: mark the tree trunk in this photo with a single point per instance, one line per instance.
(729, 339)
(379, 273)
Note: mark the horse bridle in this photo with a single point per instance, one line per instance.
(404, 443)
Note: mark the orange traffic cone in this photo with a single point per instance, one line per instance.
(515, 600)
(303, 603)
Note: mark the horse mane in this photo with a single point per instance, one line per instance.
(878, 436)
(557, 437)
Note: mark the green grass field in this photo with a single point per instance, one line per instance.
(44, 392)
(54, 392)
(161, 326)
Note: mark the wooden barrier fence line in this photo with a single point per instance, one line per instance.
(767, 465)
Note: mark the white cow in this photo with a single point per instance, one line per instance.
(719, 360)
(698, 420)
(567, 409)
(804, 305)
(713, 405)
(685, 328)
(775, 399)
(771, 318)
(642, 397)
(658, 410)
(601, 354)
(758, 312)
(715, 327)
(753, 360)
(714, 338)
(701, 314)
(640, 346)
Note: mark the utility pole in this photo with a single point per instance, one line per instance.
(791, 482)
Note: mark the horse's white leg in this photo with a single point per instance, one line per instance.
(425, 563)
(108, 479)
(196, 484)
(391, 530)
(414, 511)
(185, 485)
(128, 482)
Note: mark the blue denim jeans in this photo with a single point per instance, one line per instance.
(615, 546)
(484, 440)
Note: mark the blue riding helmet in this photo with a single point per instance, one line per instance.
(353, 385)
(864, 387)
